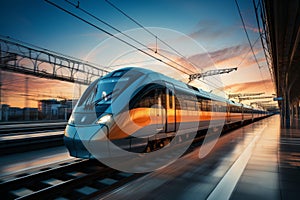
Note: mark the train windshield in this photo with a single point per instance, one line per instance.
(102, 92)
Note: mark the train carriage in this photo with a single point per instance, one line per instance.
(140, 110)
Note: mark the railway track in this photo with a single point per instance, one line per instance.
(73, 179)
(28, 141)
(20, 137)
(25, 127)
(80, 179)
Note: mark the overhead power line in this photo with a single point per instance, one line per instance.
(238, 95)
(122, 40)
(112, 35)
(119, 31)
(259, 97)
(210, 73)
(251, 46)
(150, 32)
(264, 37)
(244, 58)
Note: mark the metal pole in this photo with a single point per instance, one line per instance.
(297, 109)
(0, 84)
(287, 111)
(26, 100)
(0, 94)
(66, 113)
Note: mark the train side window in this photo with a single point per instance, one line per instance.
(191, 105)
(162, 92)
(146, 101)
(204, 105)
(170, 99)
(177, 104)
(199, 104)
(209, 106)
(151, 98)
(224, 108)
(118, 73)
(214, 106)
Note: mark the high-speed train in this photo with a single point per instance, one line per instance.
(140, 110)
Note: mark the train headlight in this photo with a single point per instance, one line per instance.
(104, 119)
(71, 120)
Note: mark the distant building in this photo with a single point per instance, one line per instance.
(49, 108)
(15, 113)
(53, 109)
(30, 114)
(65, 110)
(4, 112)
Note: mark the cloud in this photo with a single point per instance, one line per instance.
(235, 56)
(229, 53)
(265, 86)
(253, 29)
(210, 29)
(13, 89)
(250, 87)
(204, 60)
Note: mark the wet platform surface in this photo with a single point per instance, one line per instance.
(257, 161)
(20, 136)
(32, 159)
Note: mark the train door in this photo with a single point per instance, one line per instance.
(243, 114)
(160, 114)
(170, 108)
(228, 113)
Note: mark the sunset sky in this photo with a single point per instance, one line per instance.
(208, 34)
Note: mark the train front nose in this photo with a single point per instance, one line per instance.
(86, 142)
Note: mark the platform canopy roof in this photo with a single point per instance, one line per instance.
(283, 21)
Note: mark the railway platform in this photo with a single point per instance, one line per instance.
(258, 161)
(273, 171)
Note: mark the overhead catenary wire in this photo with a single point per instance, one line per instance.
(108, 33)
(150, 32)
(248, 38)
(120, 39)
(243, 59)
(262, 30)
(214, 86)
(147, 30)
(244, 26)
(12, 84)
(211, 84)
(133, 39)
(157, 38)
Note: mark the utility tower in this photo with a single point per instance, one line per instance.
(238, 95)
(210, 73)
(252, 98)
(248, 96)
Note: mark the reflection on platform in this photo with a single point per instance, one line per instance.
(295, 123)
(32, 159)
(267, 157)
(289, 156)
